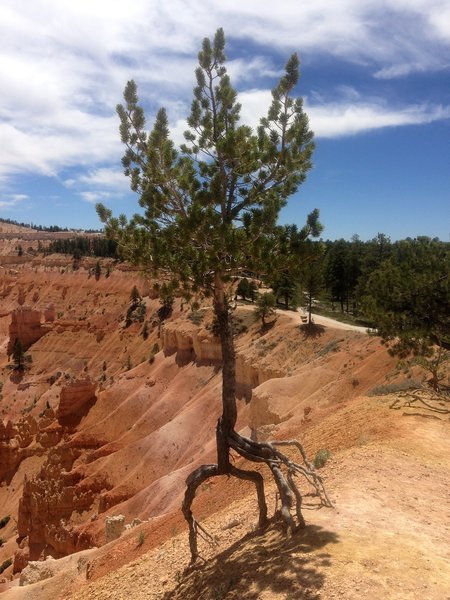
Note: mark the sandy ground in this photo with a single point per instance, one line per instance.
(296, 316)
(327, 322)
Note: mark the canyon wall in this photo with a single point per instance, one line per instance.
(200, 345)
(26, 326)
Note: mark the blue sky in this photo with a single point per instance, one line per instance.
(375, 79)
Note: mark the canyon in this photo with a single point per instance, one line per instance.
(110, 415)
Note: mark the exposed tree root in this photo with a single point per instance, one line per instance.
(285, 472)
(425, 400)
(195, 479)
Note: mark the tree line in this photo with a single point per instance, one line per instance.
(401, 289)
(49, 228)
(345, 272)
(84, 246)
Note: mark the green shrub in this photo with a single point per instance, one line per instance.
(265, 307)
(135, 313)
(140, 539)
(321, 458)
(135, 296)
(392, 388)
(196, 317)
(53, 378)
(4, 521)
(332, 346)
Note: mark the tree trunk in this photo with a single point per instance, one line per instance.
(434, 369)
(227, 421)
(309, 309)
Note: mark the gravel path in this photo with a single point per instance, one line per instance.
(327, 322)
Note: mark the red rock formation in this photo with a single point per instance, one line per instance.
(25, 326)
(21, 556)
(16, 444)
(50, 500)
(50, 313)
(75, 399)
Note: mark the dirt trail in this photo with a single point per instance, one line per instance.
(327, 322)
(296, 316)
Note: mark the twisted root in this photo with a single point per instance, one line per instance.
(285, 472)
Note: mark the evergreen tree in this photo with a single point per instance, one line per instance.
(97, 270)
(210, 210)
(285, 266)
(338, 273)
(246, 289)
(18, 355)
(265, 307)
(372, 255)
(135, 296)
(312, 276)
(286, 286)
(408, 299)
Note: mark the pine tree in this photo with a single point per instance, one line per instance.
(286, 286)
(210, 210)
(408, 299)
(135, 296)
(243, 289)
(98, 270)
(18, 355)
(265, 307)
(312, 276)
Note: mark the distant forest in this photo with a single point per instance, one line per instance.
(51, 228)
(84, 246)
(345, 273)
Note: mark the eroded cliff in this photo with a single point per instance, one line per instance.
(106, 420)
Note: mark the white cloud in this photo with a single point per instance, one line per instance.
(348, 116)
(338, 120)
(384, 34)
(99, 184)
(241, 70)
(94, 196)
(75, 139)
(11, 200)
(64, 65)
(255, 104)
(399, 70)
(106, 178)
